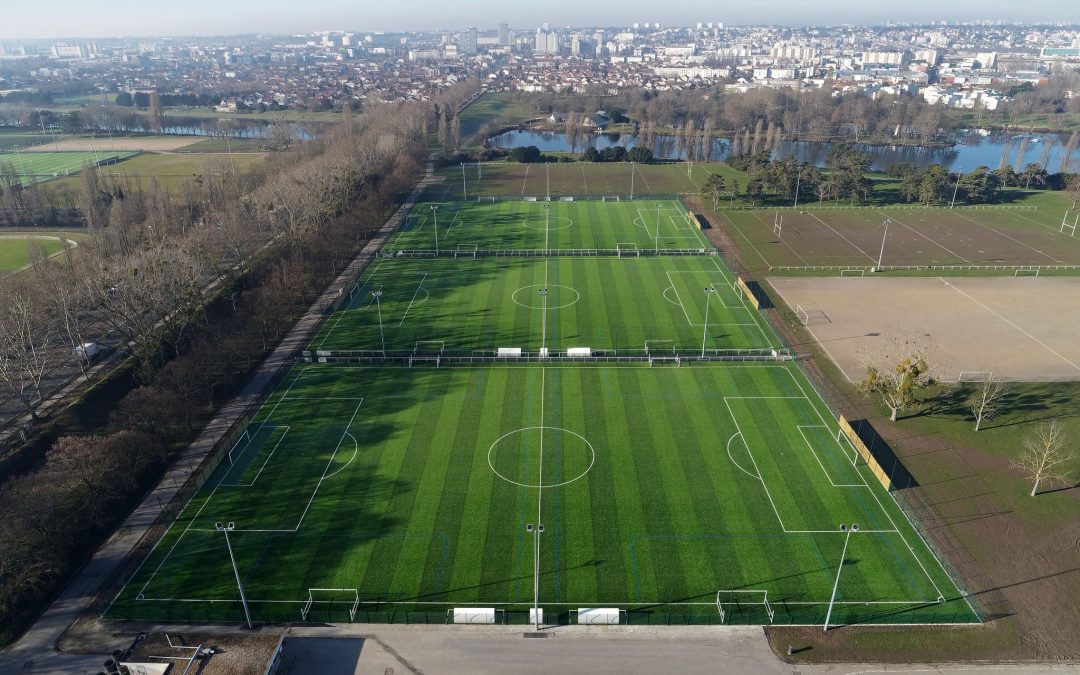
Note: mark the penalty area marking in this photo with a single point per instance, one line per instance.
(577, 296)
(500, 439)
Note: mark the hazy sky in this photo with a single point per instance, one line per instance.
(98, 18)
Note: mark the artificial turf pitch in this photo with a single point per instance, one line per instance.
(405, 492)
(661, 486)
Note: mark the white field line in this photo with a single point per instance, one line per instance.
(341, 313)
(782, 240)
(726, 286)
(677, 297)
(932, 241)
(822, 465)
(738, 434)
(265, 461)
(873, 492)
(592, 602)
(1011, 323)
(752, 245)
(837, 233)
(409, 308)
(754, 314)
(1024, 244)
(526, 180)
(817, 340)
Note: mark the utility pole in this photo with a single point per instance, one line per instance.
(464, 192)
(956, 189)
(378, 303)
(709, 290)
(435, 215)
(888, 221)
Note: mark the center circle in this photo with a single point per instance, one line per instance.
(546, 224)
(558, 296)
(513, 454)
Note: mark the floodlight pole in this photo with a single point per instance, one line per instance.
(536, 572)
(227, 528)
(547, 178)
(378, 294)
(658, 228)
(956, 189)
(798, 182)
(888, 221)
(709, 290)
(847, 536)
(464, 192)
(543, 292)
(435, 215)
(632, 171)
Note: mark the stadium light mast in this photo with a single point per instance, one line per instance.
(382, 337)
(632, 172)
(888, 221)
(709, 290)
(464, 192)
(658, 206)
(847, 536)
(537, 531)
(435, 215)
(543, 293)
(547, 178)
(798, 182)
(227, 528)
(959, 170)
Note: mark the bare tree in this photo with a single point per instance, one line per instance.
(986, 401)
(898, 372)
(1045, 452)
(27, 336)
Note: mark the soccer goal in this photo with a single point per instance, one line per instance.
(465, 251)
(334, 597)
(628, 250)
(1030, 272)
(853, 272)
(729, 602)
(429, 347)
(847, 447)
(975, 376)
(802, 315)
(245, 438)
(659, 348)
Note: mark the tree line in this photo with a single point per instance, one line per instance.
(197, 284)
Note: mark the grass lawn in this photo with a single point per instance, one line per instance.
(10, 139)
(503, 108)
(35, 167)
(409, 491)
(576, 178)
(618, 305)
(13, 251)
(170, 169)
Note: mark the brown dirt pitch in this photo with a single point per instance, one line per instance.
(1019, 328)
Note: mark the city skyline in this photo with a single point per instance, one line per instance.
(128, 18)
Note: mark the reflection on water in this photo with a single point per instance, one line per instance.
(972, 151)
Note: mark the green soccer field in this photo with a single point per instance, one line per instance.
(412, 489)
(14, 251)
(381, 492)
(620, 305)
(35, 167)
(627, 227)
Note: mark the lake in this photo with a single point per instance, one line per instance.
(971, 151)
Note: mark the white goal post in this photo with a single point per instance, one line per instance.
(729, 598)
(320, 595)
(778, 224)
(802, 315)
(1026, 272)
(975, 376)
(429, 347)
(628, 249)
(1071, 227)
(245, 438)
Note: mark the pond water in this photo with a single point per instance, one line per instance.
(971, 151)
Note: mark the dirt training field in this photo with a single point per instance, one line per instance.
(916, 236)
(997, 324)
(125, 144)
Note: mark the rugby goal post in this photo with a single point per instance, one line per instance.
(1065, 225)
(728, 601)
(627, 249)
(778, 224)
(350, 596)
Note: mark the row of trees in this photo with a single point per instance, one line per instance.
(198, 285)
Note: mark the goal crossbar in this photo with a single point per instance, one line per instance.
(348, 593)
(429, 347)
(802, 315)
(729, 598)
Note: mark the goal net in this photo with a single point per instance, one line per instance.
(331, 599)
(429, 347)
(627, 250)
(744, 601)
(802, 315)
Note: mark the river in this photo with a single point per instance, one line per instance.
(971, 151)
